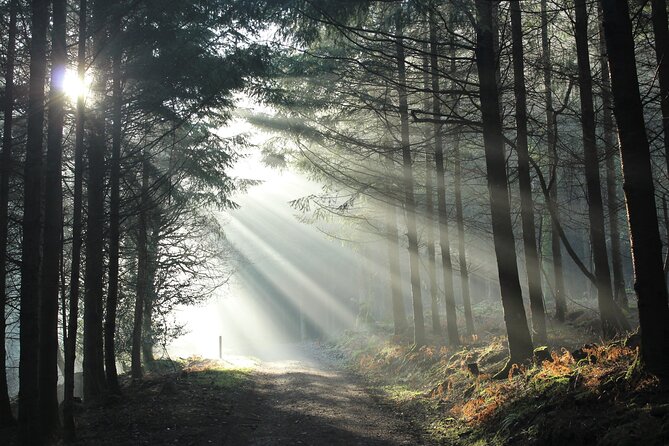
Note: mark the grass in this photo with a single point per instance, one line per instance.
(215, 373)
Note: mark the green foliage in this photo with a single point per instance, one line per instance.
(221, 378)
(185, 59)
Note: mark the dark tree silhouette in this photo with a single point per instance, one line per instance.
(6, 417)
(520, 342)
(93, 361)
(53, 224)
(646, 244)
(30, 426)
(532, 263)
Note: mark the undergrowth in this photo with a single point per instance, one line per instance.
(214, 373)
(595, 394)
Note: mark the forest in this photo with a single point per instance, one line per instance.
(334, 222)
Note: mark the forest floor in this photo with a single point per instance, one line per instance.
(370, 388)
(301, 396)
(572, 394)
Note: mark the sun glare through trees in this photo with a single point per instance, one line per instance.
(75, 87)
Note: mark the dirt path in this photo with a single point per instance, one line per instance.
(311, 401)
(298, 397)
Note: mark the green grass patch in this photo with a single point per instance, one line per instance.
(220, 378)
(400, 393)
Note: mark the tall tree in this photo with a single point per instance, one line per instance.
(460, 222)
(551, 141)
(646, 243)
(53, 218)
(611, 317)
(408, 185)
(520, 341)
(393, 251)
(429, 205)
(610, 148)
(532, 264)
(142, 271)
(93, 362)
(444, 242)
(114, 209)
(661, 34)
(6, 417)
(31, 253)
(77, 203)
(457, 193)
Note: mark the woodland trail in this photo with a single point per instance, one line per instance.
(298, 396)
(312, 401)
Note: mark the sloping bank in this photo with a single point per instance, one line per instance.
(592, 395)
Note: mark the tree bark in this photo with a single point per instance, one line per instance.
(619, 293)
(444, 242)
(665, 213)
(526, 202)
(148, 340)
(53, 228)
(393, 250)
(520, 342)
(93, 363)
(409, 199)
(429, 207)
(142, 272)
(114, 216)
(31, 257)
(610, 315)
(661, 34)
(6, 417)
(639, 189)
(551, 139)
(460, 222)
(77, 202)
(459, 216)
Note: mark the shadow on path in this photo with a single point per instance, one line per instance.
(292, 397)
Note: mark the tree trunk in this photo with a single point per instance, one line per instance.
(639, 189)
(148, 341)
(392, 243)
(409, 200)
(665, 213)
(526, 202)
(460, 222)
(114, 217)
(6, 417)
(147, 333)
(551, 139)
(619, 293)
(661, 34)
(93, 364)
(459, 215)
(520, 342)
(53, 229)
(611, 317)
(77, 202)
(142, 272)
(429, 207)
(29, 409)
(444, 242)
